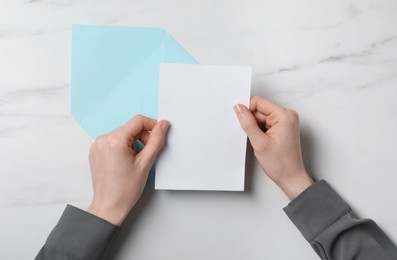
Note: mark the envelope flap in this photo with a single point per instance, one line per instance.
(173, 52)
(102, 56)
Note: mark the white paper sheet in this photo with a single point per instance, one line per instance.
(205, 148)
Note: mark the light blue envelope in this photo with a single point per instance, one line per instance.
(115, 73)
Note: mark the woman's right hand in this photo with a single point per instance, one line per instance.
(274, 134)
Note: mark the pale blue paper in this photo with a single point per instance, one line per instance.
(115, 73)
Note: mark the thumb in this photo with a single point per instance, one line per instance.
(249, 124)
(155, 142)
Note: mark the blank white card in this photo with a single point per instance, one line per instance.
(205, 147)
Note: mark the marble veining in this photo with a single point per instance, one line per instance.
(348, 57)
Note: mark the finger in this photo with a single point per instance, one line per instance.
(135, 126)
(263, 105)
(154, 143)
(260, 118)
(143, 137)
(249, 124)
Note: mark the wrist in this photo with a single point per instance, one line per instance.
(293, 186)
(112, 214)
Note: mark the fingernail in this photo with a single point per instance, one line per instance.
(238, 109)
(164, 125)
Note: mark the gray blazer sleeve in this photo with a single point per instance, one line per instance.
(327, 223)
(78, 235)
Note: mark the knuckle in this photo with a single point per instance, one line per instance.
(139, 117)
(100, 138)
(293, 116)
(283, 111)
(114, 141)
(289, 114)
(97, 146)
(92, 147)
(255, 99)
(92, 151)
(99, 141)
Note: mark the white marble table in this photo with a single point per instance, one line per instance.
(335, 62)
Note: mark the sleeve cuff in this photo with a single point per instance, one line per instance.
(81, 235)
(315, 209)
